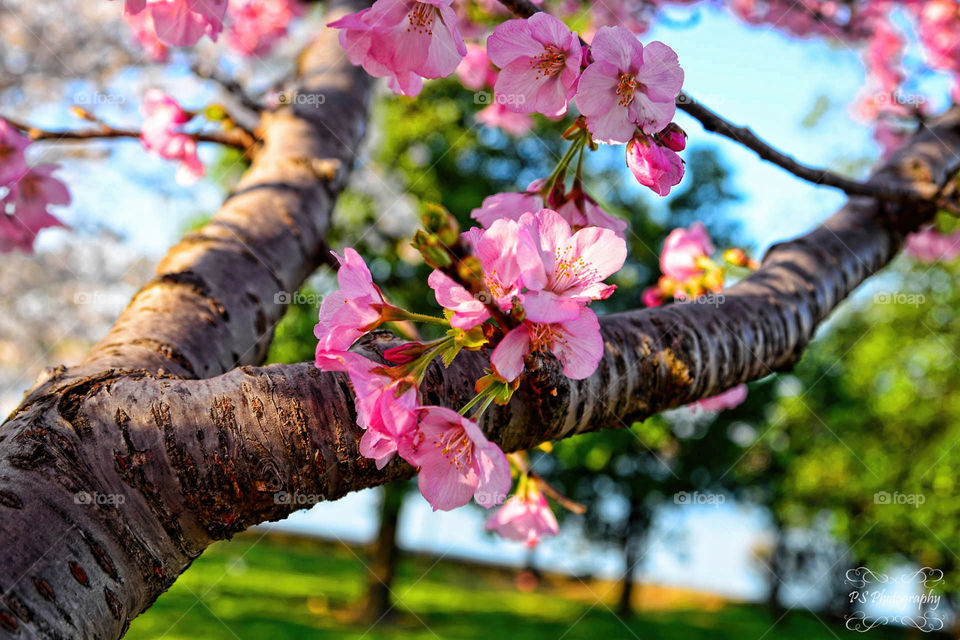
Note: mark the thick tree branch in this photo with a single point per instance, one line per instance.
(264, 241)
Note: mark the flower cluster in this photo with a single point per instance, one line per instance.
(252, 26)
(930, 245)
(521, 285)
(625, 91)
(26, 191)
(163, 135)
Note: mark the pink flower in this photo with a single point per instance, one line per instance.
(468, 310)
(160, 134)
(509, 206)
(475, 70)
(29, 198)
(576, 343)
(524, 518)
(673, 137)
(729, 399)
(574, 266)
(13, 164)
(145, 33)
(628, 85)
(654, 166)
(580, 210)
(353, 309)
(498, 116)
(181, 23)
(539, 60)
(404, 40)
(652, 297)
(256, 25)
(683, 251)
(456, 461)
(929, 245)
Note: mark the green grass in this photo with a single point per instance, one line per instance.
(278, 588)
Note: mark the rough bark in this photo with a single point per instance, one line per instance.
(116, 474)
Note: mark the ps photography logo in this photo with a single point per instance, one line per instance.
(920, 610)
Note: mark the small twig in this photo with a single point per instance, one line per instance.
(713, 122)
(229, 84)
(237, 138)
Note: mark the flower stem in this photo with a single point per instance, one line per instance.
(465, 408)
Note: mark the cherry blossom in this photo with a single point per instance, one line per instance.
(256, 25)
(352, 310)
(28, 199)
(576, 343)
(729, 399)
(683, 250)
(525, 517)
(499, 116)
(930, 245)
(456, 461)
(580, 210)
(475, 70)
(539, 60)
(574, 266)
(145, 33)
(160, 134)
(654, 166)
(509, 206)
(181, 23)
(628, 85)
(404, 41)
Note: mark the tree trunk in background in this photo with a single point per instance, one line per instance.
(775, 574)
(633, 541)
(384, 554)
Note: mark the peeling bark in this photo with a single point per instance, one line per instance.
(116, 474)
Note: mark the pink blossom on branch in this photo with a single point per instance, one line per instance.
(729, 399)
(930, 245)
(576, 343)
(456, 461)
(683, 250)
(574, 266)
(350, 311)
(475, 70)
(160, 134)
(256, 25)
(654, 166)
(498, 116)
(29, 198)
(404, 41)
(509, 205)
(539, 60)
(525, 518)
(181, 23)
(628, 86)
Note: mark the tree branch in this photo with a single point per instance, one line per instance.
(229, 84)
(236, 138)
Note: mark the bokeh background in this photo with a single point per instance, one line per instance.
(740, 525)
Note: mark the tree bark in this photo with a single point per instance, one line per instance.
(117, 473)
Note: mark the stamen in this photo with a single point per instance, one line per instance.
(421, 18)
(550, 62)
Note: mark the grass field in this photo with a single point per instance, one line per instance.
(277, 587)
